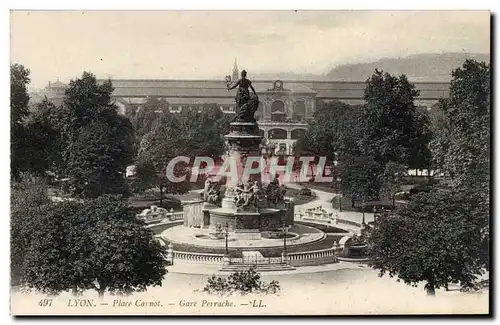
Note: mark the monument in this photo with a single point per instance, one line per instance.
(248, 208)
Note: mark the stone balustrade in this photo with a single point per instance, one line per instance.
(155, 215)
(174, 216)
(317, 257)
(322, 253)
(330, 218)
(198, 257)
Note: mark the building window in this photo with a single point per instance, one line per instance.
(277, 134)
(299, 110)
(278, 111)
(295, 134)
(278, 107)
(175, 109)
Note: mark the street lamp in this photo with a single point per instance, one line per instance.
(284, 237)
(226, 228)
(363, 209)
(339, 180)
(339, 194)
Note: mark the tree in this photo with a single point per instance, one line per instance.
(420, 155)
(435, 239)
(28, 196)
(391, 179)
(147, 114)
(98, 143)
(190, 134)
(98, 158)
(322, 138)
(19, 99)
(98, 244)
(47, 263)
(361, 178)
(158, 147)
(461, 144)
(391, 125)
(43, 150)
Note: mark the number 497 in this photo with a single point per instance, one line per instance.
(45, 303)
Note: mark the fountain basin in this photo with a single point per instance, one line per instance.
(262, 220)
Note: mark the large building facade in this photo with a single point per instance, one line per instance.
(285, 106)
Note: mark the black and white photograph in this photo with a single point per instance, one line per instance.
(250, 162)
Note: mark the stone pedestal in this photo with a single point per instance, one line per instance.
(247, 234)
(247, 222)
(284, 257)
(170, 254)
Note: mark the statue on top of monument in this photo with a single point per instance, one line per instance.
(246, 104)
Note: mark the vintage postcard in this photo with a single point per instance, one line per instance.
(250, 162)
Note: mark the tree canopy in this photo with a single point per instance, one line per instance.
(442, 236)
(461, 146)
(436, 239)
(97, 244)
(99, 143)
(392, 126)
(189, 133)
(19, 99)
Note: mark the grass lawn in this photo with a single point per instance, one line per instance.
(326, 187)
(347, 204)
(190, 196)
(299, 199)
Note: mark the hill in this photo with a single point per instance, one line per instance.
(417, 67)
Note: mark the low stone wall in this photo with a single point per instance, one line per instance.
(198, 257)
(319, 257)
(349, 222)
(354, 260)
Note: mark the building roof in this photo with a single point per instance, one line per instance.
(217, 88)
(197, 92)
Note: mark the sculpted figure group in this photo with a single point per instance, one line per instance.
(211, 192)
(247, 194)
(275, 192)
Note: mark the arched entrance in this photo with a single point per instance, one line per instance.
(297, 133)
(278, 111)
(277, 134)
(299, 110)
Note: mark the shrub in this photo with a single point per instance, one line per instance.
(420, 188)
(305, 191)
(241, 282)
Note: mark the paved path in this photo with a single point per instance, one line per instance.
(209, 269)
(323, 199)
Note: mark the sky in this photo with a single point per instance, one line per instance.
(204, 44)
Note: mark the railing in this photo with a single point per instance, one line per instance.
(256, 261)
(331, 219)
(275, 260)
(198, 257)
(319, 254)
(317, 257)
(173, 216)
